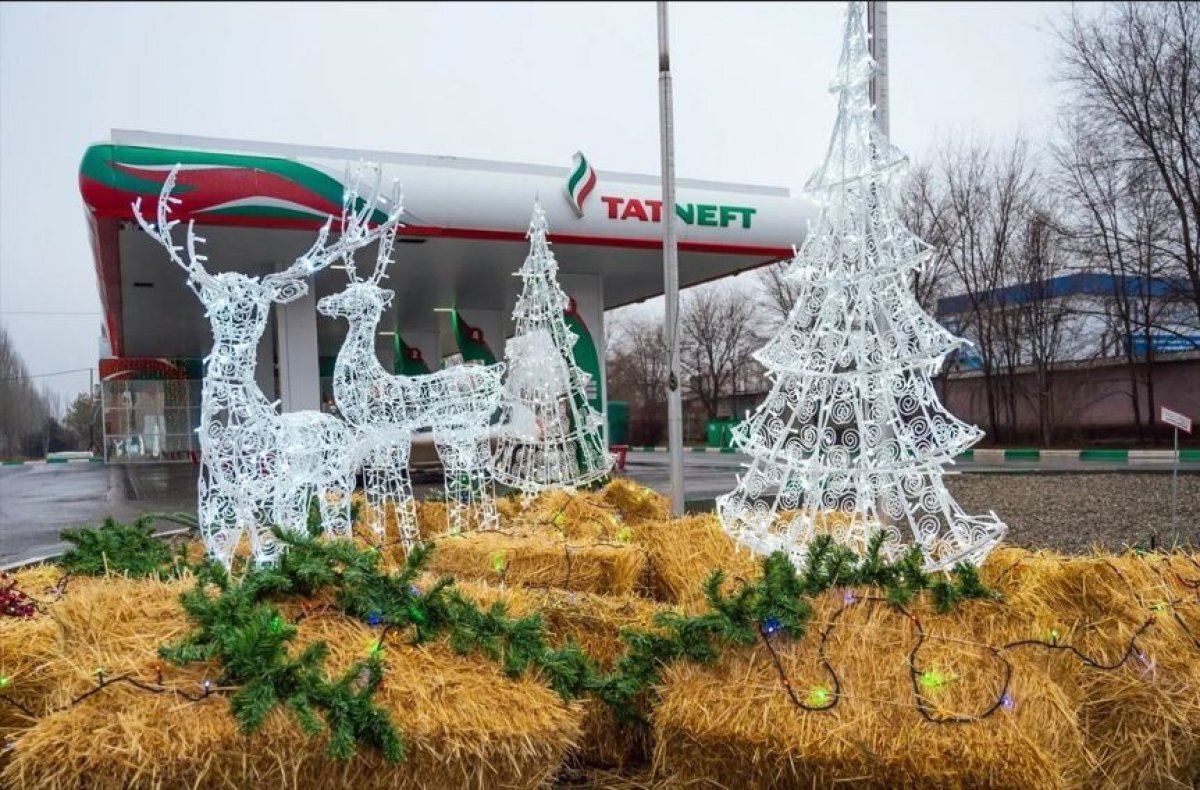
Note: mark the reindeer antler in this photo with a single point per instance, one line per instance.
(356, 234)
(161, 231)
(383, 258)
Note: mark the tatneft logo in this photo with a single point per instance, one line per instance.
(582, 181)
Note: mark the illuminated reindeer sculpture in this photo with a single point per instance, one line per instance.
(457, 404)
(261, 468)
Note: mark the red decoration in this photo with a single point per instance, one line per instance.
(14, 602)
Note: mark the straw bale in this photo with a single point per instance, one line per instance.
(1140, 720)
(635, 503)
(682, 554)
(38, 581)
(732, 722)
(595, 623)
(533, 557)
(466, 725)
(25, 647)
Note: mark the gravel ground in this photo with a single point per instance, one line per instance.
(1073, 512)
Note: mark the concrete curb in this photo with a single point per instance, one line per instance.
(12, 566)
(53, 461)
(1006, 455)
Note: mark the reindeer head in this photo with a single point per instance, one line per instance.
(363, 299)
(237, 304)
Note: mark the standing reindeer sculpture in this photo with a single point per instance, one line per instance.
(261, 468)
(457, 404)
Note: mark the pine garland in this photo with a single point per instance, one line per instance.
(114, 547)
(239, 628)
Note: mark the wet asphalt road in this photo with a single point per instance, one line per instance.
(39, 500)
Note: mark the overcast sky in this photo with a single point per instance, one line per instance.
(526, 82)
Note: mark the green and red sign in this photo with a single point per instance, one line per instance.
(582, 180)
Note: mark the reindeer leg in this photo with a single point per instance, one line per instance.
(375, 488)
(453, 468)
(218, 519)
(335, 507)
(482, 489)
(406, 511)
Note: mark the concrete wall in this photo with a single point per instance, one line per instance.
(1093, 402)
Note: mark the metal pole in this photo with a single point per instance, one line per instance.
(670, 264)
(878, 46)
(1175, 494)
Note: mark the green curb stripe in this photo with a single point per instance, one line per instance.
(965, 455)
(1103, 455)
(1022, 454)
(1189, 455)
(95, 460)
(56, 460)
(699, 449)
(13, 463)
(647, 448)
(729, 450)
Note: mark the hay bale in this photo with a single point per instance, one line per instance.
(466, 724)
(682, 554)
(635, 503)
(732, 723)
(1139, 721)
(595, 623)
(1070, 724)
(25, 648)
(540, 558)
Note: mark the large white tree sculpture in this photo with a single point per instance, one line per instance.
(852, 437)
(260, 468)
(456, 404)
(552, 437)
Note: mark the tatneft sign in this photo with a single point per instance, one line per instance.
(582, 181)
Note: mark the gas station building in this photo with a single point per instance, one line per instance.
(259, 205)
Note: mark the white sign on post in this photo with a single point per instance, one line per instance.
(1175, 419)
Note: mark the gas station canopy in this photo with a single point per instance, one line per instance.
(259, 205)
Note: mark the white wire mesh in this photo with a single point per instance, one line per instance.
(260, 468)
(852, 427)
(456, 404)
(552, 436)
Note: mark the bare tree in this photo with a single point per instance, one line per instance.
(637, 373)
(1117, 219)
(1042, 317)
(24, 410)
(987, 198)
(1134, 71)
(776, 294)
(717, 335)
(923, 211)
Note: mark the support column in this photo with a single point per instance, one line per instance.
(299, 370)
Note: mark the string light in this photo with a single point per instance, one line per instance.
(818, 697)
(771, 625)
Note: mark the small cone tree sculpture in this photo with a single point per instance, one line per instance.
(852, 438)
(553, 435)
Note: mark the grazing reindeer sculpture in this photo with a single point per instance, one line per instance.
(261, 468)
(457, 404)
